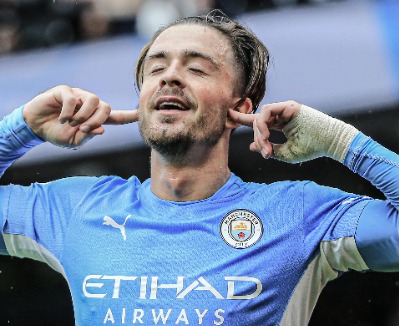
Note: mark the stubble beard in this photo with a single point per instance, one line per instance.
(176, 146)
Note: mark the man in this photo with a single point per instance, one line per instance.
(195, 244)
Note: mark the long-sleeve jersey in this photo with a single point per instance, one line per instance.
(251, 254)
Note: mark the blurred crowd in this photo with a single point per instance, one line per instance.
(30, 24)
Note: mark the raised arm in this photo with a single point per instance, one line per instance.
(63, 116)
(312, 134)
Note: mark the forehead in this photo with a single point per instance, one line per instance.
(199, 38)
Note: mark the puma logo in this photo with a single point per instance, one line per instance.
(121, 227)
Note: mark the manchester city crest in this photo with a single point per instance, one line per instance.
(241, 228)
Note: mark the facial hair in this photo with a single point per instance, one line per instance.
(175, 146)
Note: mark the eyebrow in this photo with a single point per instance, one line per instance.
(186, 54)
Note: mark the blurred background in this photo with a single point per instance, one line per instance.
(340, 56)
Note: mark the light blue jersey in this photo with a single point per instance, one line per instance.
(251, 254)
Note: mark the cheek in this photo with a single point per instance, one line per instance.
(145, 95)
(215, 96)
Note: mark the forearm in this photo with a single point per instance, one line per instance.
(377, 234)
(376, 164)
(16, 138)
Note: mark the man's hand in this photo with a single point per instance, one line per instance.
(310, 133)
(271, 116)
(68, 117)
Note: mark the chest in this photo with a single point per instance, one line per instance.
(180, 265)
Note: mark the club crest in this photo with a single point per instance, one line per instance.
(241, 228)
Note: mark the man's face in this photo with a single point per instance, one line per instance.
(188, 86)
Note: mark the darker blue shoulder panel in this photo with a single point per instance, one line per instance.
(377, 236)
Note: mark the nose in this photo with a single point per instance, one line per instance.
(172, 76)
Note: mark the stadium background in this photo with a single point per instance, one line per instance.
(341, 57)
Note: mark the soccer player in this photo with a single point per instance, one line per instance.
(195, 244)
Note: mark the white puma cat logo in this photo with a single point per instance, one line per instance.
(111, 222)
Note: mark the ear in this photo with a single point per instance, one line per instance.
(245, 107)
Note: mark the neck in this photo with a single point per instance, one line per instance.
(197, 176)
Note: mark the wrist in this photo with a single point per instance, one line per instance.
(15, 128)
(311, 134)
(334, 135)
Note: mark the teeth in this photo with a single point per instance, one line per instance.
(171, 104)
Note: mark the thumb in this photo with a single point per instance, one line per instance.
(120, 117)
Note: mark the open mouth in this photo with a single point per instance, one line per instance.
(171, 106)
(171, 103)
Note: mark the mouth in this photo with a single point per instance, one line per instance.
(171, 104)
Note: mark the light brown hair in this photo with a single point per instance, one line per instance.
(251, 55)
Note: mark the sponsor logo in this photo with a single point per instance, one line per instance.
(114, 287)
(107, 220)
(148, 287)
(241, 228)
(163, 316)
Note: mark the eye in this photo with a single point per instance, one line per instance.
(153, 68)
(156, 69)
(197, 70)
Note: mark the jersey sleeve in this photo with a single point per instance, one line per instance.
(16, 138)
(34, 219)
(358, 232)
(331, 218)
(377, 235)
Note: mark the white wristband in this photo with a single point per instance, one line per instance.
(311, 134)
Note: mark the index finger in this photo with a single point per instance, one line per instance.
(120, 117)
(245, 119)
